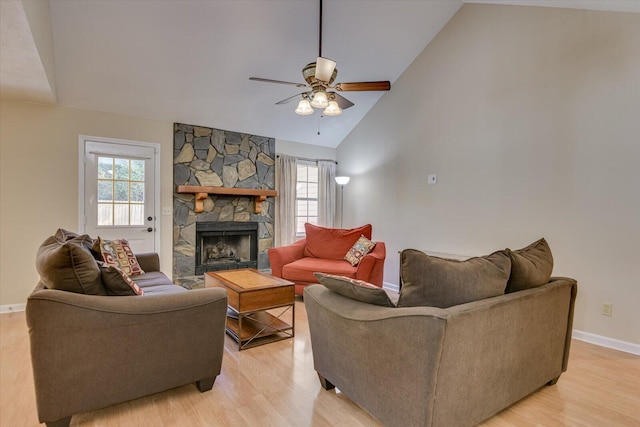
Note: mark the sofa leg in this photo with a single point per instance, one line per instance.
(205, 384)
(326, 384)
(63, 422)
(553, 381)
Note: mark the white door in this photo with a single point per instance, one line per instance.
(119, 193)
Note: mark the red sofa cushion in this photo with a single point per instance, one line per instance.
(332, 243)
(302, 270)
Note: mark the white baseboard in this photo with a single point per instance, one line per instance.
(391, 286)
(627, 347)
(12, 308)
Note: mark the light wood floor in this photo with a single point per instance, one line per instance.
(275, 385)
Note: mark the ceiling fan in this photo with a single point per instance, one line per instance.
(320, 76)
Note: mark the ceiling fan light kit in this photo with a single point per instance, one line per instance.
(304, 108)
(320, 99)
(320, 76)
(333, 109)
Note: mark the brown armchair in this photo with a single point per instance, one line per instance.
(323, 251)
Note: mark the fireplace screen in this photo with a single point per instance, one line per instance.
(226, 246)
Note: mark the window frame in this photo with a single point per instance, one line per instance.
(307, 163)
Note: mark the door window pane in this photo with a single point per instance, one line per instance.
(122, 169)
(121, 214)
(105, 214)
(120, 191)
(137, 192)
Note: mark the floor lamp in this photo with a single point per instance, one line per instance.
(342, 181)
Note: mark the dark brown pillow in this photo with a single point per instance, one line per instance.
(530, 266)
(358, 290)
(68, 265)
(116, 282)
(439, 282)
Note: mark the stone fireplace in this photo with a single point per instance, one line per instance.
(226, 246)
(209, 157)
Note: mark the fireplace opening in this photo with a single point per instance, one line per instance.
(226, 246)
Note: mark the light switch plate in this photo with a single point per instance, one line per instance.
(432, 179)
(166, 211)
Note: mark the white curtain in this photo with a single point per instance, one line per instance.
(285, 221)
(326, 193)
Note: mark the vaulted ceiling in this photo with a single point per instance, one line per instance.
(190, 60)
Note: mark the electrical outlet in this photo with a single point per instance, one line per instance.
(607, 309)
(432, 179)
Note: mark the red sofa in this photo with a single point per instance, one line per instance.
(323, 251)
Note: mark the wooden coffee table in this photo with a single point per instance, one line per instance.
(257, 301)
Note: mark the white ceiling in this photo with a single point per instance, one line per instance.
(190, 60)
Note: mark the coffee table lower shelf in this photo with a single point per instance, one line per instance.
(258, 327)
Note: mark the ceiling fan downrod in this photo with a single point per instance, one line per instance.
(320, 32)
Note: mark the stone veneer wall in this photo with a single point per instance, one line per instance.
(218, 158)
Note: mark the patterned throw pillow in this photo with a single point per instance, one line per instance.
(359, 249)
(116, 282)
(118, 254)
(355, 289)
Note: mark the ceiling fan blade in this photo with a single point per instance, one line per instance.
(259, 79)
(342, 101)
(287, 100)
(363, 86)
(324, 69)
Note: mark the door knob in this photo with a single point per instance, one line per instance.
(149, 218)
(149, 229)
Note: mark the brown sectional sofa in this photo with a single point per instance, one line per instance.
(454, 366)
(92, 351)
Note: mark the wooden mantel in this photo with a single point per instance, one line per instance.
(202, 193)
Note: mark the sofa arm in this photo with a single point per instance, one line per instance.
(283, 255)
(149, 261)
(371, 267)
(377, 356)
(89, 352)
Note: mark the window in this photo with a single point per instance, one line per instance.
(306, 196)
(120, 191)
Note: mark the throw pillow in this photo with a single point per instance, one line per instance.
(439, 282)
(355, 289)
(359, 249)
(332, 243)
(116, 282)
(530, 266)
(118, 254)
(67, 264)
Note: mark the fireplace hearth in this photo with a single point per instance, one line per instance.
(226, 246)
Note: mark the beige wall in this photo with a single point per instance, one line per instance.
(530, 117)
(39, 181)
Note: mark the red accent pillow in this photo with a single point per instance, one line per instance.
(332, 243)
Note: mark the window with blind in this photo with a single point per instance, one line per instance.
(306, 196)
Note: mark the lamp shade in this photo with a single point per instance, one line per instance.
(320, 100)
(304, 108)
(333, 109)
(342, 180)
